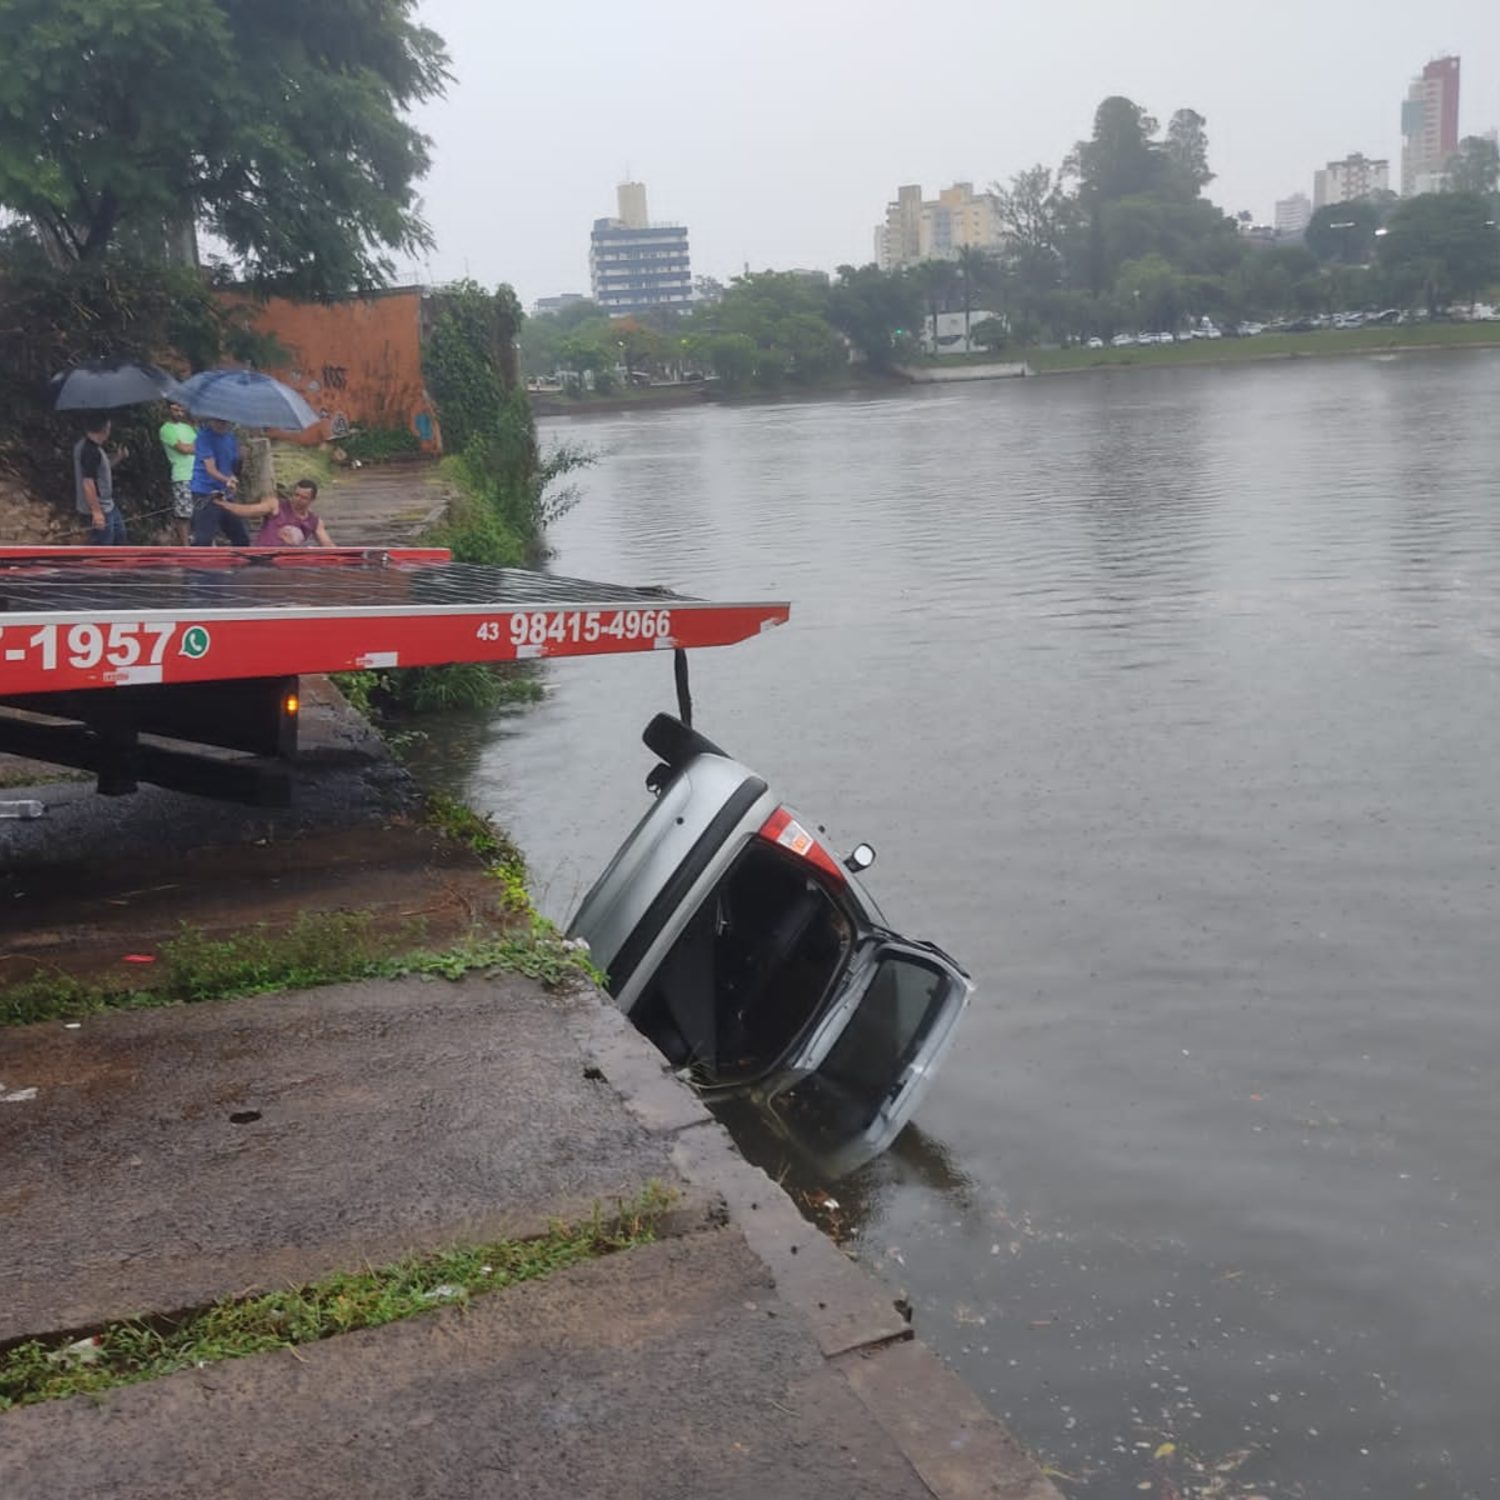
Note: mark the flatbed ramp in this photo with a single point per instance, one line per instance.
(71, 618)
(99, 646)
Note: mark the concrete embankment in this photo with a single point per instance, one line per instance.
(180, 1156)
(153, 1162)
(958, 374)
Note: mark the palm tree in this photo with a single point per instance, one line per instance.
(976, 272)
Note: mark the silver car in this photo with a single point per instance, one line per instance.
(756, 961)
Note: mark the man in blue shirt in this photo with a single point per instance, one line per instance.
(215, 453)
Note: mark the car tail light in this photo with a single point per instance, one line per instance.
(782, 829)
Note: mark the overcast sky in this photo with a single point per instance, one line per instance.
(777, 130)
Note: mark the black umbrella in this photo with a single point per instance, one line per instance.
(100, 384)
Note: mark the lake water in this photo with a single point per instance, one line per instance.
(1170, 702)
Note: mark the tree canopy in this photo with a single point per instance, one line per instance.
(278, 126)
(1121, 239)
(1441, 248)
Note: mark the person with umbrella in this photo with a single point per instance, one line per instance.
(95, 387)
(215, 455)
(219, 398)
(94, 484)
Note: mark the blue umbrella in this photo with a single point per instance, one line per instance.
(247, 398)
(102, 384)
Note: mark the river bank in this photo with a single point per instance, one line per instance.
(1417, 338)
(171, 1167)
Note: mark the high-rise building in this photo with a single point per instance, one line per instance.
(937, 229)
(1356, 176)
(635, 265)
(1429, 127)
(1293, 215)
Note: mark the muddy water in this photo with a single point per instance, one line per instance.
(1172, 702)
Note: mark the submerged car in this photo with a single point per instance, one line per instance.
(755, 960)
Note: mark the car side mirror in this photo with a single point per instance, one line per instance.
(861, 857)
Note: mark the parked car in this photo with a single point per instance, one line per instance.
(756, 961)
(1096, 343)
(1123, 340)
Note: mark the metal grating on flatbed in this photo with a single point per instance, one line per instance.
(71, 618)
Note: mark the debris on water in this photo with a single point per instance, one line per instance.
(16, 1096)
(26, 808)
(140, 958)
(72, 1025)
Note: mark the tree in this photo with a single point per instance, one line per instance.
(1031, 209)
(1441, 247)
(1151, 294)
(991, 334)
(1121, 158)
(731, 356)
(1476, 167)
(874, 311)
(1344, 232)
(976, 275)
(1187, 151)
(279, 127)
(936, 281)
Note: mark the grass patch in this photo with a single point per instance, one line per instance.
(328, 948)
(126, 1353)
(1267, 346)
(50, 776)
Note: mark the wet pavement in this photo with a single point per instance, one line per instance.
(171, 1158)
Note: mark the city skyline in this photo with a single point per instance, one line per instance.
(778, 143)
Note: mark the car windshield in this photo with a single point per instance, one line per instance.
(843, 1097)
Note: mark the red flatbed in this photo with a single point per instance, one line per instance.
(78, 618)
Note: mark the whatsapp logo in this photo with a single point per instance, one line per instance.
(195, 642)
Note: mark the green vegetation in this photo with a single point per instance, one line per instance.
(378, 445)
(1267, 346)
(291, 146)
(1119, 238)
(128, 1352)
(329, 948)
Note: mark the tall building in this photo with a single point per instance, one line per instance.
(635, 265)
(1293, 215)
(1356, 176)
(1429, 127)
(918, 229)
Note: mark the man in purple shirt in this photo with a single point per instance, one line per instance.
(287, 523)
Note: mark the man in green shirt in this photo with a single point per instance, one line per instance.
(178, 436)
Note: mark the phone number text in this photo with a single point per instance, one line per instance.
(574, 627)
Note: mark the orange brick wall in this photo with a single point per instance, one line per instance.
(358, 363)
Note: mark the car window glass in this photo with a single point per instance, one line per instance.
(842, 1098)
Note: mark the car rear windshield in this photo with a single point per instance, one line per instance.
(842, 1099)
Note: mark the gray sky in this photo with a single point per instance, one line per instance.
(777, 130)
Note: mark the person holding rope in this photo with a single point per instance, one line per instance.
(287, 522)
(215, 454)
